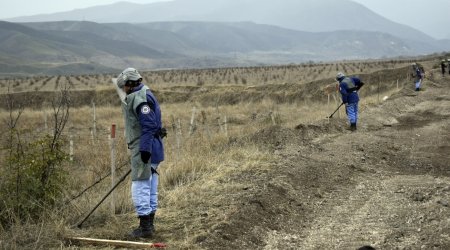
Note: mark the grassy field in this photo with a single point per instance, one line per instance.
(212, 115)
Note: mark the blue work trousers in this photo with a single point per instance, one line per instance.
(418, 83)
(352, 112)
(145, 194)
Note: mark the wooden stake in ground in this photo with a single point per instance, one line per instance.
(71, 147)
(113, 165)
(45, 121)
(115, 243)
(225, 125)
(192, 124)
(205, 124)
(94, 126)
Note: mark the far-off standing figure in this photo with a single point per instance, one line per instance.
(443, 66)
(448, 66)
(418, 73)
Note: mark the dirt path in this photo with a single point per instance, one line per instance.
(387, 185)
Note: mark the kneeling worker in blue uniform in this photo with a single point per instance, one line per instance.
(349, 86)
(143, 134)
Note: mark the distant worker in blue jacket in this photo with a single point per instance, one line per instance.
(418, 74)
(143, 134)
(349, 86)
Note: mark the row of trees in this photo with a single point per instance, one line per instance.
(240, 75)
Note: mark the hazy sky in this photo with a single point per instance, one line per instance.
(429, 16)
(14, 8)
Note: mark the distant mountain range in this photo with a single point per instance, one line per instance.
(303, 15)
(31, 47)
(211, 34)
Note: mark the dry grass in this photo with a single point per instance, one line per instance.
(195, 177)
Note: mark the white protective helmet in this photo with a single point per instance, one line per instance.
(129, 74)
(340, 76)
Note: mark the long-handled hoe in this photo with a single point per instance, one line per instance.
(335, 110)
(104, 198)
(115, 243)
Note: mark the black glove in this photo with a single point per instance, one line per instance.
(145, 156)
(360, 85)
(162, 132)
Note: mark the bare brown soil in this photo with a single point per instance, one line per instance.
(386, 185)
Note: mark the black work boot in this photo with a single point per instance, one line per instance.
(353, 127)
(145, 229)
(152, 226)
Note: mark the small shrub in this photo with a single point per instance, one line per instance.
(33, 181)
(33, 178)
